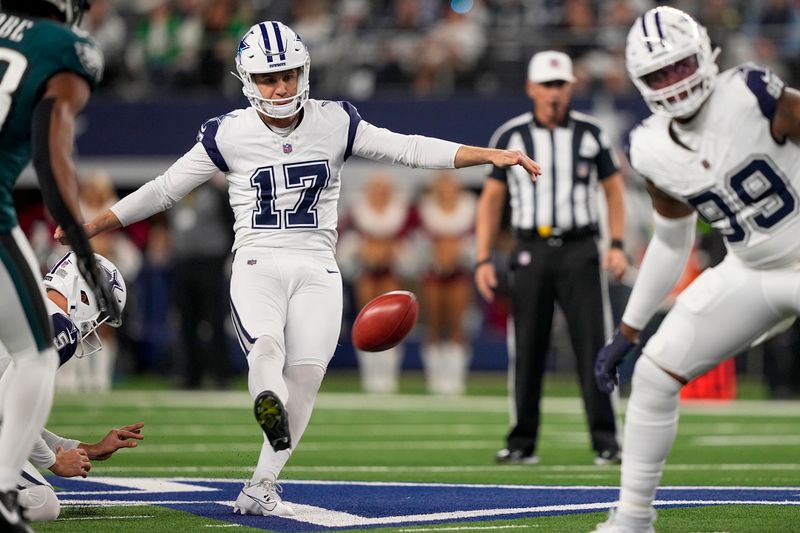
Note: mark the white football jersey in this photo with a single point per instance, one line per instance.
(283, 189)
(727, 165)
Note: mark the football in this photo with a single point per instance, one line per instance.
(385, 321)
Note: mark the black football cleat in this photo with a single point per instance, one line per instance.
(272, 417)
(11, 519)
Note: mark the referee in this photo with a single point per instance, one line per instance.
(556, 257)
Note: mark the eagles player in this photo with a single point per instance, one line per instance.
(283, 159)
(716, 146)
(47, 72)
(75, 316)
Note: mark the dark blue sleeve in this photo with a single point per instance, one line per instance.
(355, 118)
(65, 337)
(765, 85)
(207, 136)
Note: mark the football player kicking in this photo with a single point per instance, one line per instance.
(283, 158)
(716, 145)
(76, 316)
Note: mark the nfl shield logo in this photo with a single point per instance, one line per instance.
(287, 148)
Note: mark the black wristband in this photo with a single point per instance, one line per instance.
(618, 243)
(483, 262)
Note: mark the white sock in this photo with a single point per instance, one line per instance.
(303, 382)
(26, 407)
(651, 423)
(380, 370)
(431, 362)
(455, 366)
(266, 360)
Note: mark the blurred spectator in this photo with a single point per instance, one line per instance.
(96, 372)
(447, 215)
(380, 219)
(108, 29)
(165, 46)
(201, 228)
(403, 28)
(452, 48)
(225, 21)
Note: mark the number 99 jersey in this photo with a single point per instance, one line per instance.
(726, 164)
(33, 50)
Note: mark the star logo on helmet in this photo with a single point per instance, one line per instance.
(113, 278)
(243, 44)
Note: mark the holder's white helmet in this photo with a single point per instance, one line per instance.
(660, 38)
(82, 308)
(272, 46)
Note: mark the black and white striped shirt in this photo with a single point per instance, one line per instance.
(574, 157)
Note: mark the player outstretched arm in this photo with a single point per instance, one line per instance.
(417, 151)
(663, 263)
(155, 196)
(469, 156)
(52, 134)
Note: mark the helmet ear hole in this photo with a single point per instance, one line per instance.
(84, 298)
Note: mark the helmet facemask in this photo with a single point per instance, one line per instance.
(667, 44)
(272, 47)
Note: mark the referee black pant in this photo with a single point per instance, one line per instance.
(567, 271)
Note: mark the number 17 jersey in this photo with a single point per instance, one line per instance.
(283, 190)
(726, 164)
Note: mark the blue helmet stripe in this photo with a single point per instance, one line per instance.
(265, 36)
(658, 27)
(279, 38)
(644, 30)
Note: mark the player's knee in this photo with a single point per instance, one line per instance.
(266, 346)
(653, 385)
(307, 377)
(40, 503)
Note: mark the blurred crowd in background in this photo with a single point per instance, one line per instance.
(428, 48)
(176, 320)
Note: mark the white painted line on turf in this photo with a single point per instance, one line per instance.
(222, 525)
(221, 400)
(428, 445)
(327, 518)
(746, 440)
(324, 482)
(463, 528)
(123, 517)
(227, 469)
(139, 485)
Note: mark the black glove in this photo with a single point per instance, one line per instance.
(101, 287)
(608, 360)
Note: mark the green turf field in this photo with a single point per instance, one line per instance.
(416, 438)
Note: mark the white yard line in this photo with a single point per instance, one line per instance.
(122, 517)
(407, 402)
(740, 467)
(465, 528)
(746, 440)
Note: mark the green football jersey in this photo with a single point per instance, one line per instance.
(32, 50)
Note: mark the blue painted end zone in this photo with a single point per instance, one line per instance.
(332, 505)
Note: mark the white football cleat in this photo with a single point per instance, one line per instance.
(620, 523)
(262, 498)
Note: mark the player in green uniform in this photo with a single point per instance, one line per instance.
(47, 70)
